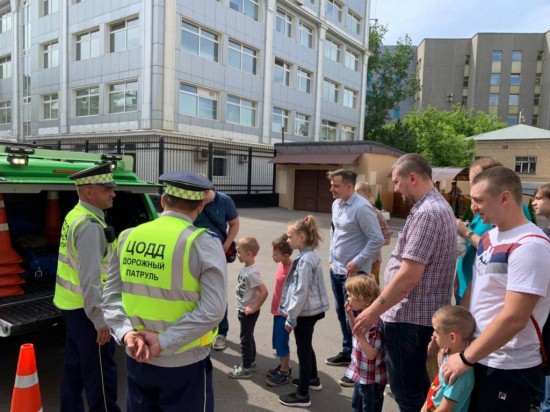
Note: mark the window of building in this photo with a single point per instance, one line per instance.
(198, 102)
(304, 80)
(50, 106)
(123, 97)
(124, 35)
(87, 102)
(241, 111)
(328, 130)
(538, 77)
(219, 163)
(467, 59)
(465, 81)
(496, 56)
(515, 79)
(351, 60)
(5, 20)
(535, 120)
(247, 7)
(279, 119)
(5, 67)
(350, 98)
(49, 7)
(493, 99)
(526, 164)
(330, 91)
(464, 101)
(199, 41)
(332, 50)
(305, 34)
(281, 72)
(353, 22)
(242, 57)
(334, 10)
(536, 99)
(283, 23)
(540, 53)
(347, 133)
(516, 56)
(513, 100)
(5, 112)
(495, 79)
(301, 125)
(50, 54)
(512, 119)
(87, 44)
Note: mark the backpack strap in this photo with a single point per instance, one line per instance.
(543, 352)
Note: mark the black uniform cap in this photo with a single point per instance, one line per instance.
(97, 175)
(190, 186)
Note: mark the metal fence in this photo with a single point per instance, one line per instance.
(233, 167)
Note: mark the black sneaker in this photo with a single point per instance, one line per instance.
(278, 379)
(314, 384)
(274, 371)
(342, 359)
(295, 399)
(346, 382)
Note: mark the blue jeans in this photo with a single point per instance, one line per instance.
(223, 327)
(338, 283)
(367, 398)
(407, 346)
(545, 404)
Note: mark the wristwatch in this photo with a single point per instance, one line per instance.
(469, 235)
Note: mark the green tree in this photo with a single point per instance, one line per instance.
(444, 137)
(398, 135)
(389, 81)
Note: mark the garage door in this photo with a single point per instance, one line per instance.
(312, 191)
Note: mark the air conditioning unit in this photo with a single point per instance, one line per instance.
(243, 158)
(201, 154)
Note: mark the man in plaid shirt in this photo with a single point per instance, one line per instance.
(418, 278)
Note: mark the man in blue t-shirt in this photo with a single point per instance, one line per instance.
(221, 217)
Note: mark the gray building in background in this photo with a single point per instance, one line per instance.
(507, 74)
(228, 69)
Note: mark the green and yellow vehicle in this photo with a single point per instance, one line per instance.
(35, 196)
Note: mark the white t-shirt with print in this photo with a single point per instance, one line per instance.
(249, 278)
(527, 270)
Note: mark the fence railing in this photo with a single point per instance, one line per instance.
(234, 168)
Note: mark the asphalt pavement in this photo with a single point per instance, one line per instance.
(230, 394)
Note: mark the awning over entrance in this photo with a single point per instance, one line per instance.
(450, 173)
(529, 188)
(316, 158)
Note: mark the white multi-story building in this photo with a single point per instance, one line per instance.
(236, 69)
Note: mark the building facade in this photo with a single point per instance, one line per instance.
(228, 69)
(507, 74)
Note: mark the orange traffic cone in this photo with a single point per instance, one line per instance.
(52, 222)
(26, 391)
(11, 269)
(7, 253)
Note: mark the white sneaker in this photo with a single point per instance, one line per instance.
(219, 343)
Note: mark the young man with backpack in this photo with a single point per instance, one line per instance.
(510, 284)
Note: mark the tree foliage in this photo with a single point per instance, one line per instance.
(398, 135)
(388, 78)
(444, 137)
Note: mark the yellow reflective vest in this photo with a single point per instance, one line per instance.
(68, 292)
(158, 287)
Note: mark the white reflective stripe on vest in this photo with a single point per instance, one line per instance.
(68, 285)
(4, 226)
(27, 381)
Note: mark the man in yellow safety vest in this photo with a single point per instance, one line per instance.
(84, 252)
(166, 292)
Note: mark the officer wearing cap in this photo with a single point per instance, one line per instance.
(165, 294)
(84, 253)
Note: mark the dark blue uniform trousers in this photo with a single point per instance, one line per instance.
(184, 388)
(87, 366)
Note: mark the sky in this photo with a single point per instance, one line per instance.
(422, 19)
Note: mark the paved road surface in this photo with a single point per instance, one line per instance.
(231, 395)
